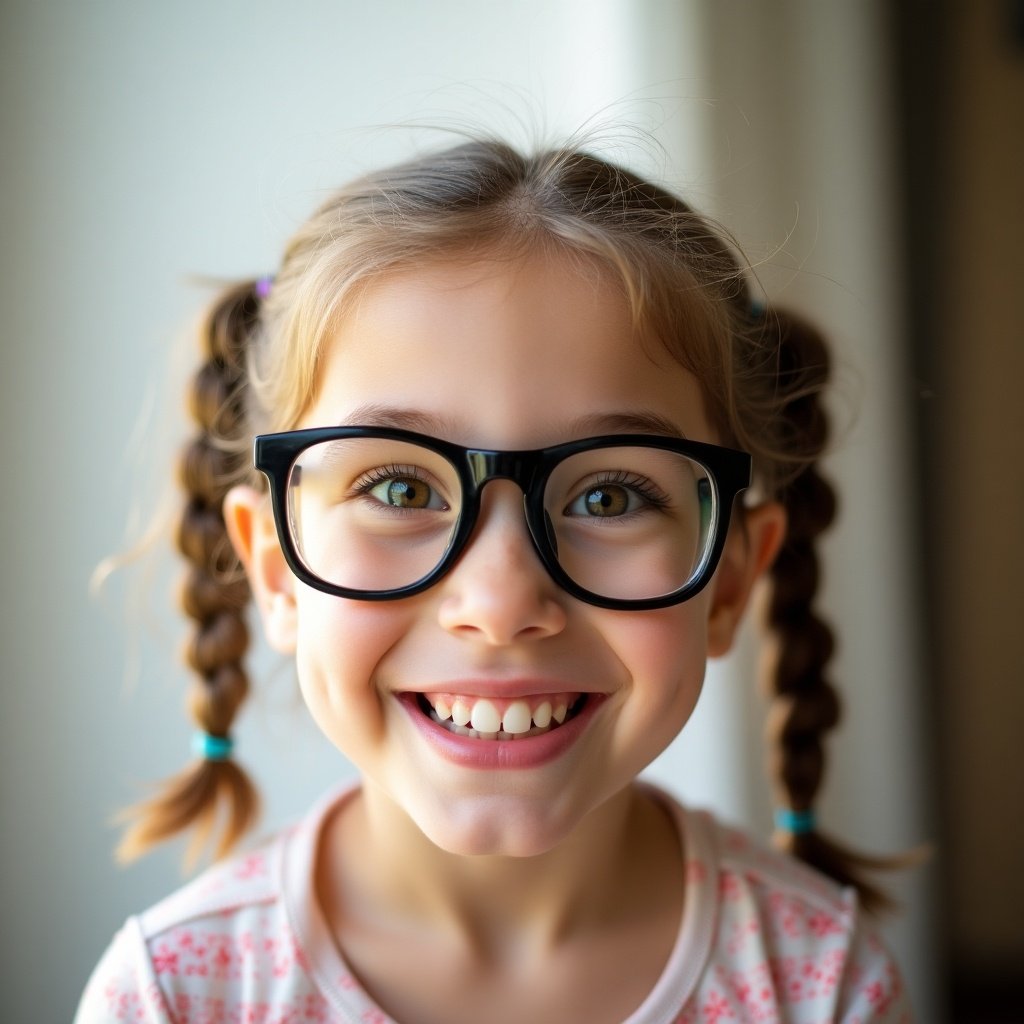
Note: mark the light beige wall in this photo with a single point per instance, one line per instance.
(980, 493)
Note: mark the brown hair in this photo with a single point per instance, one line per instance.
(763, 374)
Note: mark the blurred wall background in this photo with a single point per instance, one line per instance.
(144, 144)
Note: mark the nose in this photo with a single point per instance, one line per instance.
(499, 591)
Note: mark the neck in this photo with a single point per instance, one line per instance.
(604, 873)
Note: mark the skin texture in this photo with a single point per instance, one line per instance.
(521, 890)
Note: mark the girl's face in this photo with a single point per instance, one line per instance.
(509, 355)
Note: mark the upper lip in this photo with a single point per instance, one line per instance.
(505, 689)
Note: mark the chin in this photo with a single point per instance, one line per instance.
(495, 826)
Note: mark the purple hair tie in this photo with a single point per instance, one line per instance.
(263, 286)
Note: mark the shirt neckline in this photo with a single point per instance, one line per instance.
(343, 992)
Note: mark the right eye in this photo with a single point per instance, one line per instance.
(400, 487)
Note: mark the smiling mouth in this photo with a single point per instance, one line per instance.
(481, 718)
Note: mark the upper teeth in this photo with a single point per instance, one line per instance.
(483, 716)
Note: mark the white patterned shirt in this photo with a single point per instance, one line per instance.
(762, 939)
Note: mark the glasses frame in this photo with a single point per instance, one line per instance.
(728, 470)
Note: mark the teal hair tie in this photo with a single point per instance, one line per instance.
(797, 822)
(212, 748)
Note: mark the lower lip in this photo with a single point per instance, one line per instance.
(491, 754)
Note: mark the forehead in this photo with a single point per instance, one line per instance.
(502, 353)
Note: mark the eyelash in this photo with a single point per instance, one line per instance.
(372, 477)
(381, 474)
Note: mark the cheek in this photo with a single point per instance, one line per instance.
(665, 655)
(340, 645)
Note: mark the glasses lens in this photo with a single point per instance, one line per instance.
(632, 522)
(372, 514)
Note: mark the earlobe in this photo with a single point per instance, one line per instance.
(250, 525)
(754, 541)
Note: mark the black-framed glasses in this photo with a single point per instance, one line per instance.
(627, 521)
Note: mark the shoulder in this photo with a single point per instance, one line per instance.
(223, 896)
(802, 905)
(224, 943)
(783, 939)
(194, 940)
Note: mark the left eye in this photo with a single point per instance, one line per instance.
(406, 492)
(605, 501)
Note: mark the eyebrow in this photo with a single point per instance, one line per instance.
(641, 421)
(375, 414)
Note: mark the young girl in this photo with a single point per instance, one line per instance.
(524, 444)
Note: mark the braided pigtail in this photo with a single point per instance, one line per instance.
(214, 595)
(804, 704)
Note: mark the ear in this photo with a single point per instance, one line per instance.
(250, 525)
(753, 542)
